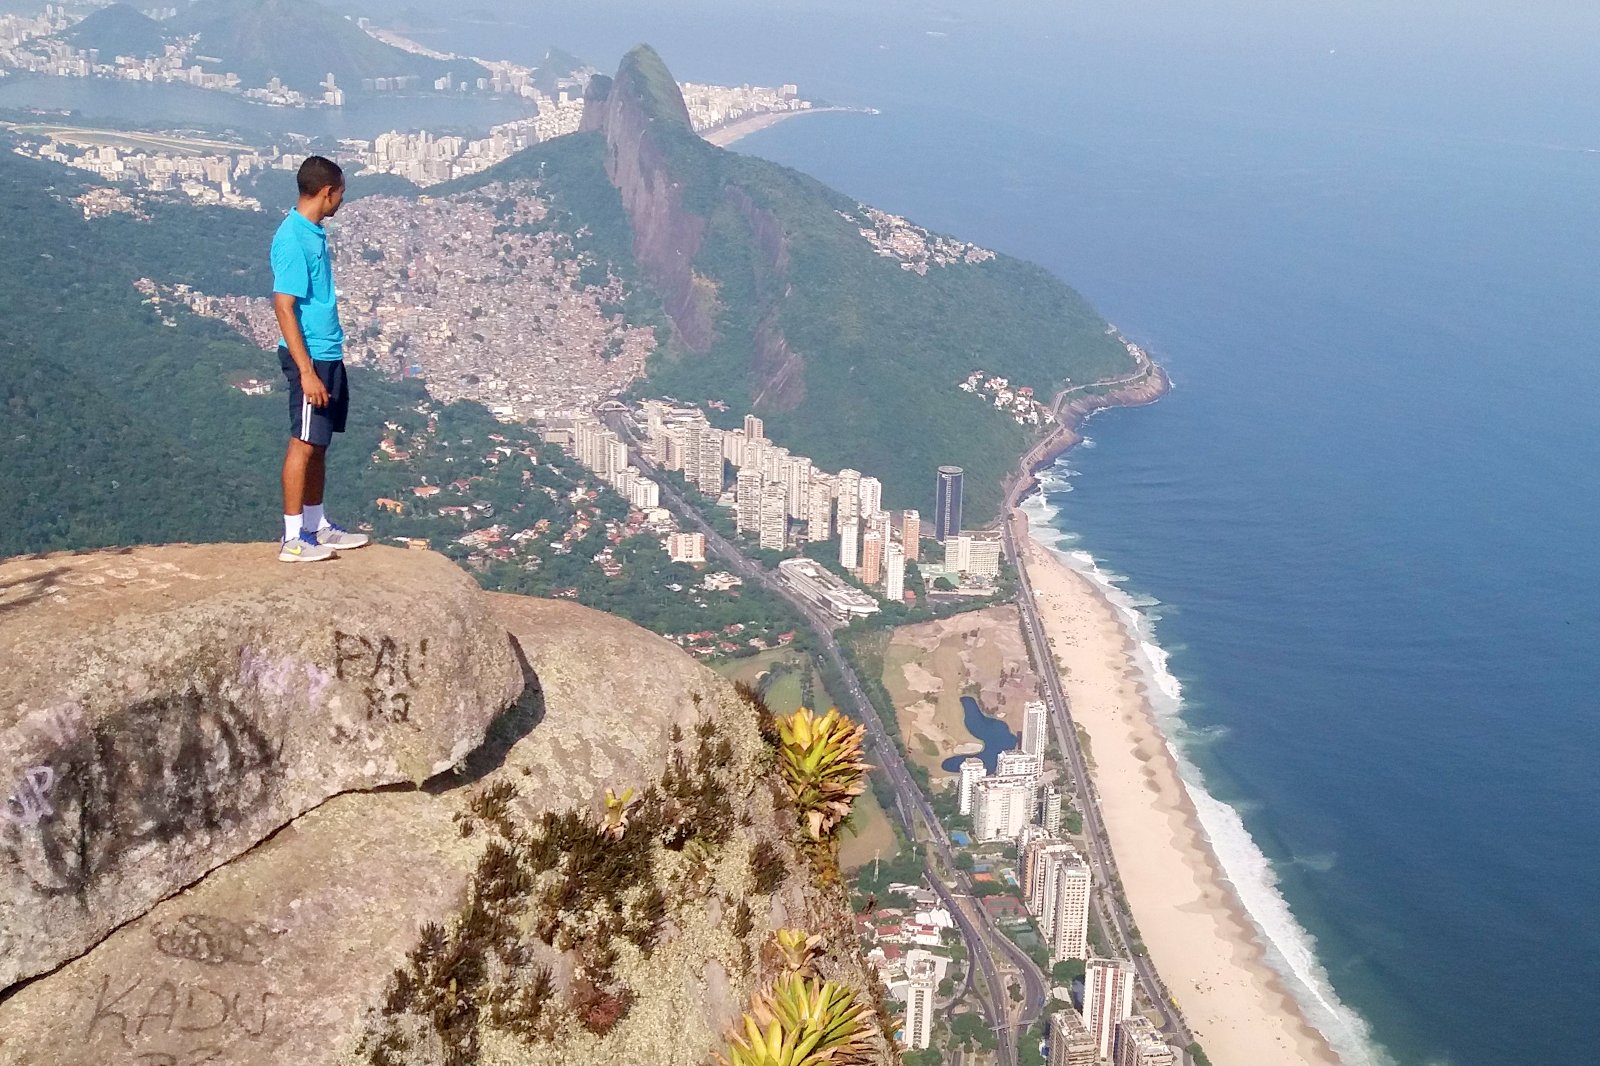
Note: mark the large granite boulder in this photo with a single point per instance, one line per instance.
(163, 710)
(289, 953)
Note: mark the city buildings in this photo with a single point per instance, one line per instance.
(821, 587)
(819, 508)
(847, 495)
(687, 547)
(1016, 763)
(1056, 884)
(1035, 731)
(1001, 806)
(1139, 1043)
(871, 558)
(1050, 813)
(947, 503)
(974, 553)
(894, 581)
(774, 523)
(911, 535)
(1071, 1043)
(922, 981)
(972, 771)
(1107, 999)
(849, 542)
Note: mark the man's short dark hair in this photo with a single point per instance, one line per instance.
(317, 173)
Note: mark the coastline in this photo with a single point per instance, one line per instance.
(740, 128)
(1193, 924)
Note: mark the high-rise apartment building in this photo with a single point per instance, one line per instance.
(819, 508)
(1001, 806)
(1107, 999)
(1035, 733)
(922, 982)
(972, 771)
(871, 558)
(708, 470)
(774, 517)
(911, 535)
(1016, 763)
(1071, 1043)
(1068, 881)
(772, 462)
(754, 428)
(894, 574)
(870, 489)
(1050, 810)
(733, 445)
(797, 486)
(1139, 1043)
(947, 503)
(849, 543)
(747, 500)
(973, 553)
(847, 494)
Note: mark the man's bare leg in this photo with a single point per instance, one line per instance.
(297, 474)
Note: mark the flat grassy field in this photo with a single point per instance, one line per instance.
(782, 693)
(873, 834)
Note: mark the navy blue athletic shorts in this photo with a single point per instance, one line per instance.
(316, 425)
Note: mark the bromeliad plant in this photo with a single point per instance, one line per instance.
(616, 823)
(799, 949)
(820, 759)
(801, 1021)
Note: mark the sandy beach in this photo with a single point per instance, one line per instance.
(1198, 936)
(723, 136)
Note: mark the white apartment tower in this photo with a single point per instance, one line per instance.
(972, 771)
(1016, 763)
(849, 542)
(870, 491)
(921, 983)
(1050, 810)
(774, 517)
(1071, 1043)
(847, 491)
(1067, 879)
(754, 428)
(1035, 733)
(819, 508)
(894, 574)
(1139, 1043)
(1001, 806)
(747, 501)
(797, 486)
(1107, 1000)
(708, 467)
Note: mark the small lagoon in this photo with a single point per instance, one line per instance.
(992, 733)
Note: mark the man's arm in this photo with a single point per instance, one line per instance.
(295, 341)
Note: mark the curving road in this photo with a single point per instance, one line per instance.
(1113, 917)
(911, 806)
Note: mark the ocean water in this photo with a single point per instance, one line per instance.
(1358, 537)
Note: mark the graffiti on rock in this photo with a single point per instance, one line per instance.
(387, 671)
(212, 940)
(159, 770)
(30, 803)
(191, 1016)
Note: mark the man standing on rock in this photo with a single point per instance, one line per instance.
(311, 354)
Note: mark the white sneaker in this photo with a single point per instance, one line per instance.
(303, 549)
(331, 536)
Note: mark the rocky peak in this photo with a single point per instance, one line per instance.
(365, 813)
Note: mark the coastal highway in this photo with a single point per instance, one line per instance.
(1113, 918)
(910, 805)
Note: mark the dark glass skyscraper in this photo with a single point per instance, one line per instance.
(947, 503)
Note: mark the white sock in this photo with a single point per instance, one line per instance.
(315, 519)
(291, 526)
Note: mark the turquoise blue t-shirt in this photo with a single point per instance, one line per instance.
(301, 268)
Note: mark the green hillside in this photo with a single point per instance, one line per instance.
(875, 351)
(302, 42)
(118, 30)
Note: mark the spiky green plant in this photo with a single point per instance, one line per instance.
(616, 823)
(799, 949)
(801, 1021)
(820, 759)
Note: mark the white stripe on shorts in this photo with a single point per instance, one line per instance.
(305, 420)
